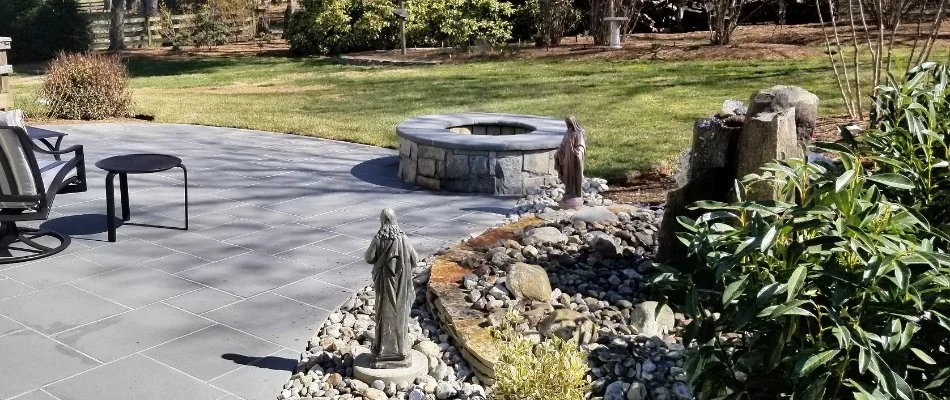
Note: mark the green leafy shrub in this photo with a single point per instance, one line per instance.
(42, 28)
(832, 291)
(172, 36)
(551, 19)
(340, 26)
(553, 369)
(910, 136)
(86, 86)
(209, 28)
(466, 22)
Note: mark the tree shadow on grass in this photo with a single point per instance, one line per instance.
(141, 67)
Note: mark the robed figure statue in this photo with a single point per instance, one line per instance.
(569, 163)
(393, 258)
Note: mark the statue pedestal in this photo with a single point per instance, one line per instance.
(572, 203)
(615, 23)
(364, 371)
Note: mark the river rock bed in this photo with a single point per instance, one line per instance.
(548, 197)
(591, 266)
(325, 370)
(592, 262)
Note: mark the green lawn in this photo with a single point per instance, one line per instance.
(638, 114)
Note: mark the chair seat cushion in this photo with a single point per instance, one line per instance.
(15, 175)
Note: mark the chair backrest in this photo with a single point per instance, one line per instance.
(19, 173)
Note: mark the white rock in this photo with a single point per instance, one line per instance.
(440, 371)
(650, 322)
(428, 348)
(335, 317)
(349, 320)
(444, 391)
(374, 394)
(427, 383)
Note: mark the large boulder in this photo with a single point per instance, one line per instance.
(607, 245)
(766, 137)
(780, 99)
(651, 319)
(711, 172)
(568, 324)
(592, 215)
(528, 282)
(546, 235)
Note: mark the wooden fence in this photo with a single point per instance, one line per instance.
(93, 5)
(141, 32)
(6, 98)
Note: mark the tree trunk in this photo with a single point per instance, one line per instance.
(782, 11)
(117, 26)
(288, 14)
(598, 28)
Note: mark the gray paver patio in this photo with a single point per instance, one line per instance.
(221, 311)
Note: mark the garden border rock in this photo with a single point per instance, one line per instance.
(447, 302)
(445, 298)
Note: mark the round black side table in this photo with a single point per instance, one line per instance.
(134, 164)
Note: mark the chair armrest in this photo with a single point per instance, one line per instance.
(71, 149)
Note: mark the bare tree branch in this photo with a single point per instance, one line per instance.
(845, 95)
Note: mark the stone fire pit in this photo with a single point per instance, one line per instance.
(504, 154)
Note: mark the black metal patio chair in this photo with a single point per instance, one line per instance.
(27, 189)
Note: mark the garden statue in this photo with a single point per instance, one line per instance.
(569, 163)
(393, 258)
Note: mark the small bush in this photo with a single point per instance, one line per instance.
(553, 369)
(550, 18)
(166, 27)
(86, 86)
(209, 29)
(41, 29)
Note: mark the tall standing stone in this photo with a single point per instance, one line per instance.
(771, 132)
(711, 171)
(777, 121)
(784, 99)
(766, 137)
